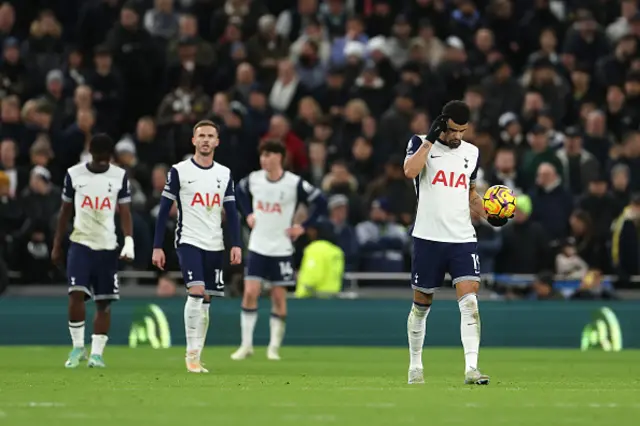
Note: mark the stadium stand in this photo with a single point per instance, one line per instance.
(554, 89)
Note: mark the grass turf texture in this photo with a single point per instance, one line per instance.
(312, 386)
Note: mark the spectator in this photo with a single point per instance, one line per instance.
(344, 232)
(382, 242)
(542, 288)
(579, 166)
(18, 177)
(161, 21)
(188, 29)
(625, 245)
(600, 204)
(549, 192)
(525, 247)
(287, 90)
(620, 187)
(504, 171)
(266, 49)
(540, 153)
(280, 130)
(569, 265)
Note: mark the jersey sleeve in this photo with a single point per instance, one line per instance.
(243, 196)
(172, 185)
(307, 193)
(474, 174)
(68, 193)
(124, 195)
(414, 143)
(230, 193)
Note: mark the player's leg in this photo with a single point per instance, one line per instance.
(78, 273)
(280, 275)
(426, 276)
(106, 290)
(213, 286)
(465, 275)
(191, 264)
(254, 275)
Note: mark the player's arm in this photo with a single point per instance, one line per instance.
(244, 200)
(475, 201)
(232, 222)
(66, 211)
(169, 195)
(417, 149)
(126, 222)
(314, 199)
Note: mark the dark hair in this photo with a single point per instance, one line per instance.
(457, 111)
(273, 146)
(101, 145)
(204, 123)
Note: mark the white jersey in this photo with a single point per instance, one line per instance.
(273, 205)
(442, 189)
(95, 197)
(200, 194)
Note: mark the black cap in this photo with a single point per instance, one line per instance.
(404, 91)
(600, 177)
(102, 49)
(541, 63)
(538, 129)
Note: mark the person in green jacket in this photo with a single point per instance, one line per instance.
(540, 153)
(322, 267)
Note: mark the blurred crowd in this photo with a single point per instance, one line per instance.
(554, 89)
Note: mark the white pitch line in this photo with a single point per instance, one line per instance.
(45, 404)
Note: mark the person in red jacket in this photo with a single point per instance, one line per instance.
(297, 159)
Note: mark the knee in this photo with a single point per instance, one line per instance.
(279, 299)
(468, 304)
(196, 290)
(103, 306)
(251, 291)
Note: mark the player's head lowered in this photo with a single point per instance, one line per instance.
(205, 137)
(101, 148)
(272, 155)
(458, 113)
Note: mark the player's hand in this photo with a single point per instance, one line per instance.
(56, 255)
(295, 231)
(251, 220)
(438, 126)
(497, 221)
(128, 250)
(236, 255)
(158, 259)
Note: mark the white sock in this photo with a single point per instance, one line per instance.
(203, 325)
(416, 330)
(470, 329)
(98, 342)
(277, 326)
(248, 319)
(192, 319)
(76, 329)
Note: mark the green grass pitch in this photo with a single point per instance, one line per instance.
(319, 386)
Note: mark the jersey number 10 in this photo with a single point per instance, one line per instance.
(476, 263)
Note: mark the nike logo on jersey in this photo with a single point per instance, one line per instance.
(82, 186)
(436, 156)
(190, 181)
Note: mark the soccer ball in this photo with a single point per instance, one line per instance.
(499, 201)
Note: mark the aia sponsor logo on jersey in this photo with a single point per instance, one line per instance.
(450, 179)
(205, 200)
(267, 207)
(96, 203)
